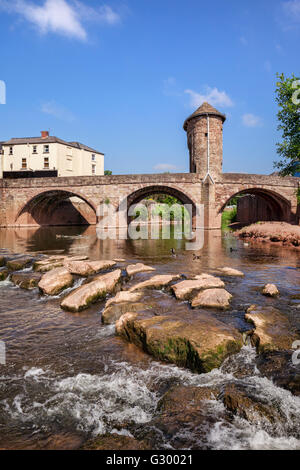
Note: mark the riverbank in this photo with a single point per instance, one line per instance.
(273, 232)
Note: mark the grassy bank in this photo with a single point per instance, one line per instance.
(228, 217)
(279, 232)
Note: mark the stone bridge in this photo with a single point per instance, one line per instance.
(40, 201)
(74, 200)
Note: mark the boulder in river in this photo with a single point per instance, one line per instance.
(273, 330)
(201, 343)
(120, 304)
(279, 368)
(4, 273)
(56, 280)
(185, 289)
(156, 282)
(46, 265)
(138, 268)
(212, 298)
(227, 271)
(2, 261)
(26, 280)
(19, 263)
(86, 268)
(239, 402)
(89, 293)
(270, 290)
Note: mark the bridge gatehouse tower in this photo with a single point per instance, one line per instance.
(204, 130)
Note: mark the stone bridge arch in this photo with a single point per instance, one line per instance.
(139, 194)
(57, 207)
(269, 205)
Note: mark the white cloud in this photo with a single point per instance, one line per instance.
(292, 9)
(165, 167)
(212, 95)
(53, 109)
(60, 16)
(250, 120)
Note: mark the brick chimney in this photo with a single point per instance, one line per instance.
(44, 134)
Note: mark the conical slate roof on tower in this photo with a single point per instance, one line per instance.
(203, 110)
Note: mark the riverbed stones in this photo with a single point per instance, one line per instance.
(4, 273)
(18, 264)
(212, 298)
(273, 330)
(278, 367)
(86, 268)
(115, 442)
(2, 261)
(56, 280)
(237, 400)
(227, 271)
(159, 281)
(270, 290)
(185, 289)
(87, 294)
(201, 343)
(138, 268)
(46, 265)
(120, 304)
(26, 280)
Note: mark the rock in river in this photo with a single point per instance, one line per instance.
(4, 273)
(185, 289)
(89, 293)
(26, 280)
(212, 298)
(200, 344)
(270, 290)
(19, 263)
(120, 304)
(156, 282)
(86, 268)
(138, 268)
(231, 272)
(273, 330)
(54, 281)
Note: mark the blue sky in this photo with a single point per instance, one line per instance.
(122, 76)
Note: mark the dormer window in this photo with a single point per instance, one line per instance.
(11, 150)
(46, 148)
(34, 149)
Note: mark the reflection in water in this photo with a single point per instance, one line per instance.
(68, 377)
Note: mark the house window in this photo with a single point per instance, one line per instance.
(93, 169)
(69, 164)
(93, 158)
(46, 148)
(46, 163)
(34, 149)
(24, 164)
(10, 150)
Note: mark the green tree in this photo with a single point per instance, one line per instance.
(287, 97)
(108, 172)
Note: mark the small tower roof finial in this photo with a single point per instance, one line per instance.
(204, 109)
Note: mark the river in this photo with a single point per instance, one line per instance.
(68, 378)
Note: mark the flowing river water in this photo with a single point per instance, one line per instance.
(68, 378)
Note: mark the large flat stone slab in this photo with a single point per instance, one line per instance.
(87, 294)
(26, 280)
(227, 271)
(87, 268)
(185, 289)
(212, 298)
(56, 280)
(138, 268)
(156, 282)
(201, 344)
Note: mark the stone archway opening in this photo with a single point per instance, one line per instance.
(162, 196)
(255, 205)
(57, 208)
